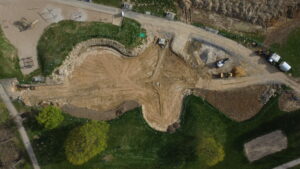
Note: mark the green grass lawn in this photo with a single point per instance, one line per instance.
(133, 144)
(9, 63)
(114, 3)
(60, 38)
(290, 51)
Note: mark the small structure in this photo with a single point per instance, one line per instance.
(285, 67)
(170, 15)
(274, 58)
(162, 42)
(39, 79)
(265, 145)
(127, 6)
(147, 12)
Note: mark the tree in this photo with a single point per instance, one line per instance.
(210, 152)
(86, 141)
(50, 117)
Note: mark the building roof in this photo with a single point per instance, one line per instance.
(275, 57)
(265, 145)
(284, 66)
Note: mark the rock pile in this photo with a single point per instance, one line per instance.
(260, 12)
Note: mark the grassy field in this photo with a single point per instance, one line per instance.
(156, 7)
(114, 3)
(9, 63)
(134, 145)
(290, 51)
(4, 116)
(60, 38)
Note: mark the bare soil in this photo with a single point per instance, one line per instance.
(289, 101)
(157, 80)
(238, 104)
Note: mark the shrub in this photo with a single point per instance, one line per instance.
(50, 117)
(86, 141)
(210, 152)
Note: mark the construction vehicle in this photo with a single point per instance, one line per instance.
(223, 75)
(162, 42)
(239, 71)
(264, 53)
(226, 75)
(221, 63)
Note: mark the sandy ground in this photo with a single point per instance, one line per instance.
(156, 79)
(26, 41)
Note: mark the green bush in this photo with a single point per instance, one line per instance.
(86, 141)
(210, 151)
(50, 117)
(60, 38)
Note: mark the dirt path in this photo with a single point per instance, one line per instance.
(275, 78)
(289, 164)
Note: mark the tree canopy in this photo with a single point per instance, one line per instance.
(86, 141)
(210, 151)
(50, 117)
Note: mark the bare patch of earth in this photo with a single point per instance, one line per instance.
(237, 104)
(289, 101)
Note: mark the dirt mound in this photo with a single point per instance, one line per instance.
(238, 104)
(262, 12)
(289, 101)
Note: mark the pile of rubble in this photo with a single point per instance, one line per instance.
(262, 12)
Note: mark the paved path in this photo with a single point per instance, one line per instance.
(289, 164)
(18, 120)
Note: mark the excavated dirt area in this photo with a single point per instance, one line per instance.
(289, 101)
(156, 79)
(238, 104)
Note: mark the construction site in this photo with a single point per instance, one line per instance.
(186, 83)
